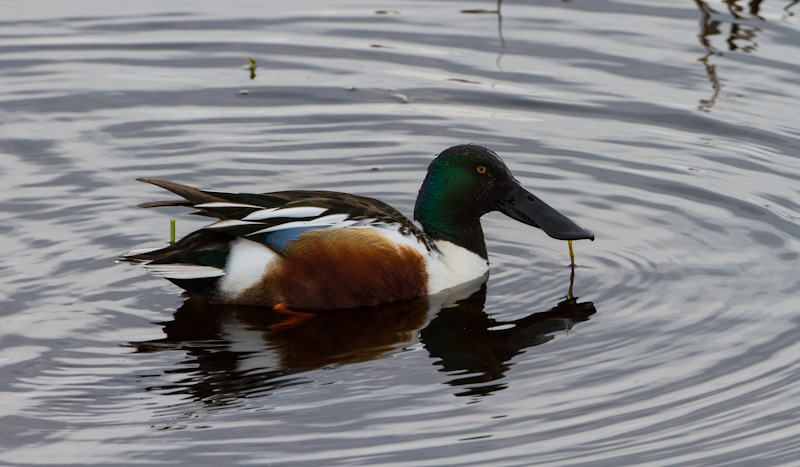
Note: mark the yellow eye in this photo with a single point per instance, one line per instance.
(481, 169)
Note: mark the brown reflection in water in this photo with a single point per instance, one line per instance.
(741, 36)
(233, 352)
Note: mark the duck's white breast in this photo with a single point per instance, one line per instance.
(451, 266)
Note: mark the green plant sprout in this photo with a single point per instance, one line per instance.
(252, 68)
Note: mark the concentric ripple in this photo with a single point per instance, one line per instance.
(668, 129)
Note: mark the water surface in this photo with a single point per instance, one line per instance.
(668, 128)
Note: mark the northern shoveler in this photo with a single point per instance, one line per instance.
(324, 249)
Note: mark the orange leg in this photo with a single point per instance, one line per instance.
(293, 318)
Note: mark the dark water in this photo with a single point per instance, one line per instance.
(668, 128)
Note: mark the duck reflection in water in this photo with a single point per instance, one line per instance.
(236, 351)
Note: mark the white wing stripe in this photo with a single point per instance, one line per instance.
(183, 271)
(229, 223)
(333, 220)
(220, 204)
(303, 211)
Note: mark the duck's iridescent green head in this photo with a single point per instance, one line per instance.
(464, 183)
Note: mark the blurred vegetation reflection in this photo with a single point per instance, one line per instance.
(738, 25)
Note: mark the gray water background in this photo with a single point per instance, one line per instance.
(670, 128)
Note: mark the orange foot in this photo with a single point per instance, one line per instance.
(293, 318)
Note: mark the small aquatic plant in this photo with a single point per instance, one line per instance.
(252, 68)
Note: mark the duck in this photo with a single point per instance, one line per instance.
(315, 250)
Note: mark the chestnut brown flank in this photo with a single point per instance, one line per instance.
(342, 268)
